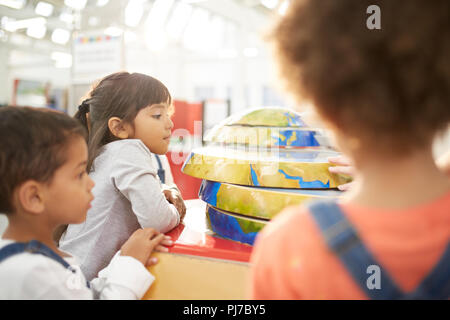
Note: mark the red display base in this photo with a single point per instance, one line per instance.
(194, 238)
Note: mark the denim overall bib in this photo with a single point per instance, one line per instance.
(35, 247)
(161, 171)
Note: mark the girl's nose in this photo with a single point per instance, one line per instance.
(91, 183)
(170, 123)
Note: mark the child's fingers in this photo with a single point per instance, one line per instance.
(182, 204)
(157, 240)
(161, 248)
(182, 213)
(346, 187)
(169, 196)
(340, 160)
(150, 233)
(348, 170)
(181, 207)
(151, 261)
(167, 241)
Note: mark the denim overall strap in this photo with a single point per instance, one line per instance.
(344, 241)
(35, 247)
(32, 247)
(436, 284)
(161, 171)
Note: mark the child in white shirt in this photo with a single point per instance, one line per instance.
(128, 119)
(43, 157)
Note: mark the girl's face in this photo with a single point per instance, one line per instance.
(153, 127)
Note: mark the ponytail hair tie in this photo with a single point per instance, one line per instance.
(84, 107)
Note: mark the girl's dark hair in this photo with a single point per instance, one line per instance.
(389, 86)
(118, 95)
(33, 146)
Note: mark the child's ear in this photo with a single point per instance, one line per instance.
(30, 197)
(119, 128)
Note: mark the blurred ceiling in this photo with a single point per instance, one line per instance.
(25, 21)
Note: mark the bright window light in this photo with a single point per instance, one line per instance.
(20, 40)
(93, 21)
(113, 31)
(271, 4)
(14, 25)
(62, 59)
(15, 4)
(7, 23)
(75, 4)
(194, 37)
(60, 36)
(228, 54)
(155, 38)
(178, 20)
(133, 12)
(66, 64)
(283, 7)
(130, 36)
(215, 35)
(192, 1)
(57, 55)
(102, 3)
(158, 13)
(230, 36)
(37, 31)
(250, 52)
(44, 9)
(66, 17)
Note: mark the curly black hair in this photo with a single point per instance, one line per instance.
(388, 87)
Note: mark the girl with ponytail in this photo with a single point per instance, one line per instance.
(128, 120)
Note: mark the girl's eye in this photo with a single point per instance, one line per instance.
(80, 176)
(157, 116)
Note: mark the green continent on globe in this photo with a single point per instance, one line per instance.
(273, 117)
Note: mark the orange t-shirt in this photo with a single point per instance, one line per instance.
(291, 260)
